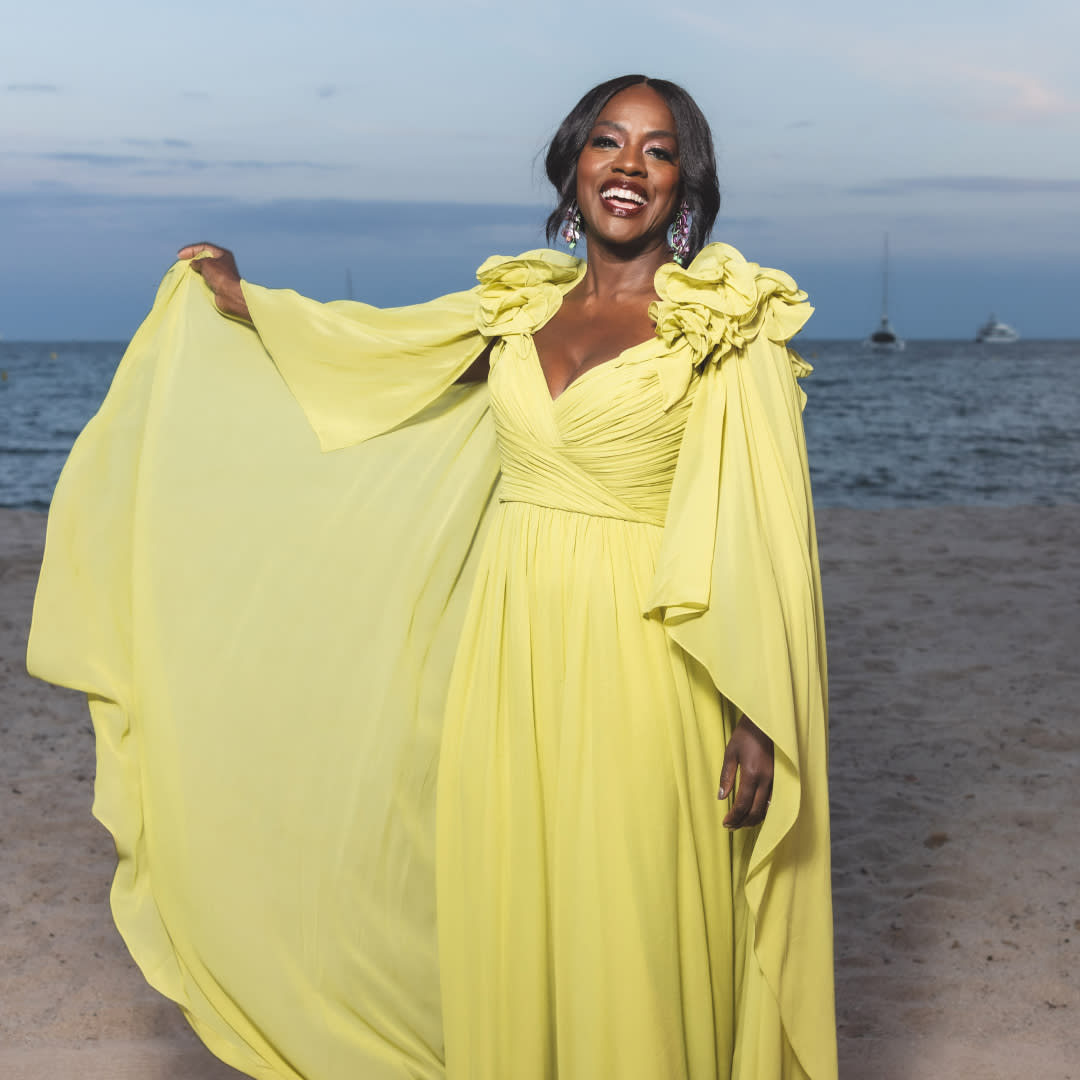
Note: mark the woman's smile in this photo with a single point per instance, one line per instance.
(624, 198)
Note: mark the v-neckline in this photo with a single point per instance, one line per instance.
(555, 398)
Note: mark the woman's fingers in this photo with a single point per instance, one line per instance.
(191, 250)
(750, 783)
(221, 274)
(749, 754)
(762, 797)
(727, 773)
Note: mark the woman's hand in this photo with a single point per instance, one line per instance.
(220, 273)
(750, 751)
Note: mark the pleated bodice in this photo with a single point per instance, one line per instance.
(606, 446)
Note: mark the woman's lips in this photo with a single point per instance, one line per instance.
(623, 201)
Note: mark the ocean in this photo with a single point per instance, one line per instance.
(942, 422)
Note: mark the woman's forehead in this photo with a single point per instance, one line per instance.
(638, 105)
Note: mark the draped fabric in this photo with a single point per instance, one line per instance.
(357, 638)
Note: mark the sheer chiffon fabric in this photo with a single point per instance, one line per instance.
(411, 698)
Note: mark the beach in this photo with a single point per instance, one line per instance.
(955, 741)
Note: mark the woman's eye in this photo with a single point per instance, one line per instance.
(605, 142)
(661, 153)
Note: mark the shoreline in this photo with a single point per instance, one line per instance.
(955, 744)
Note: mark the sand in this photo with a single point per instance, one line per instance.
(955, 748)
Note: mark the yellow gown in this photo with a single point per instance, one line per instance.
(411, 698)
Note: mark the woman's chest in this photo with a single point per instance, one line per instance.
(613, 409)
(575, 342)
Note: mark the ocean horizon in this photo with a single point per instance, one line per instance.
(939, 423)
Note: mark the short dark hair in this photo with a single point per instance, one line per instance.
(697, 158)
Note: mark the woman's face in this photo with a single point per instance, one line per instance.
(628, 172)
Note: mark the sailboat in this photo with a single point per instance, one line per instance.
(885, 338)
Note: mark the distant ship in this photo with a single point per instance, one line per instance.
(885, 338)
(993, 332)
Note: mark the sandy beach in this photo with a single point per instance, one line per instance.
(955, 749)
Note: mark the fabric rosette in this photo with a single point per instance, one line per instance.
(721, 302)
(517, 295)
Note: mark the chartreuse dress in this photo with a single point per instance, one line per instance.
(411, 697)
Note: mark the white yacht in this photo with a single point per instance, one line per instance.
(885, 338)
(993, 332)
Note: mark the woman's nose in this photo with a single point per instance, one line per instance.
(630, 160)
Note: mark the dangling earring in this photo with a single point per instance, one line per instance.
(571, 230)
(679, 234)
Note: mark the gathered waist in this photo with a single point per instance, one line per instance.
(572, 499)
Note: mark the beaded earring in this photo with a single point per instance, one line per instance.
(679, 234)
(571, 230)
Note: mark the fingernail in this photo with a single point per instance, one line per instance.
(720, 793)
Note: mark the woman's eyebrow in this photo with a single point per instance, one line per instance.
(659, 132)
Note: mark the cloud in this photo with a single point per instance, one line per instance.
(1021, 97)
(970, 185)
(304, 217)
(149, 144)
(254, 164)
(328, 91)
(279, 217)
(983, 74)
(32, 88)
(106, 160)
(157, 165)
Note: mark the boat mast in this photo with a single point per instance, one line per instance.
(885, 281)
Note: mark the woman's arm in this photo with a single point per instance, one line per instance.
(477, 371)
(220, 273)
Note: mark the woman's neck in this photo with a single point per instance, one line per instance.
(611, 274)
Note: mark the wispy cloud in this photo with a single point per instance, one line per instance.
(103, 160)
(959, 75)
(999, 95)
(149, 144)
(163, 223)
(970, 185)
(289, 216)
(127, 161)
(1015, 96)
(32, 88)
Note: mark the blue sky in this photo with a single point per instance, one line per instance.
(401, 141)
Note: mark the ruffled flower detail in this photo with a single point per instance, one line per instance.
(721, 302)
(518, 295)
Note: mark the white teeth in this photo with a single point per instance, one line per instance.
(623, 193)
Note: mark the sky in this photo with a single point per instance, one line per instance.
(402, 143)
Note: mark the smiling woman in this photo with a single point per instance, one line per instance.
(686, 141)
(413, 759)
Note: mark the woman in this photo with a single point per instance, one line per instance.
(629, 618)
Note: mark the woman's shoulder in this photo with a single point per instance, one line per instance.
(721, 301)
(723, 278)
(518, 293)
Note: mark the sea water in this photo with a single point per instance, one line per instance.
(941, 422)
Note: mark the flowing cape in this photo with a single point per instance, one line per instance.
(265, 631)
